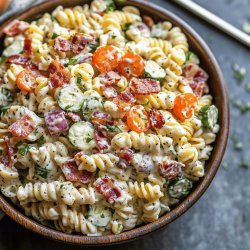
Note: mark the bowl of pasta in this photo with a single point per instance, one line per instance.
(114, 119)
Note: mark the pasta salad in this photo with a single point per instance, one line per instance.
(106, 120)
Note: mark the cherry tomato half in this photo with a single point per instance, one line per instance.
(25, 81)
(184, 106)
(131, 65)
(137, 119)
(106, 58)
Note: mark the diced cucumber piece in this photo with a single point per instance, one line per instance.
(92, 101)
(15, 48)
(180, 188)
(70, 98)
(99, 215)
(81, 135)
(153, 70)
(191, 57)
(209, 116)
(6, 97)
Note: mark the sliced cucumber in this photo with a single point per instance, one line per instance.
(153, 70)
(81, 135)
(70, 98)
(92, 101)
(15, 48)
(191, 57)
(6, 97)
(209, 116)
(180, 188)
(99, 215)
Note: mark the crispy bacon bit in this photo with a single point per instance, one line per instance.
(148, 21)
(8, 154)
(109, 78)
(145, 86)
(107, 188)
(108, 92)
(170, 169)
(126, 155)
(71, 172)
(124, 100)
(56, 122)
(196, 78)
(73, 116)
(79, 42)
(156, 118)
(18, 59)
(62, 44)
(101, 118)
(23, 126)
(15, 28)
(101, 140)
(28, 46)
(58, 74)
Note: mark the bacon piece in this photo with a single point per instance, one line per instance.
(148, 21)
(108, 92)
(125, 157)
(145, 86)
(23, 126)
(101, 140)
(15, 28)
(109, 78)
(71, 172)
(156, 118)
(107, 188)
(79, 42)
(56, 122)
(170, 169)
(18, 59)
(73, 116)
(196, 78)
(62, 44)
(58, 74)
(124, 100)
(101, 118)
(8, 154)
(28, 46)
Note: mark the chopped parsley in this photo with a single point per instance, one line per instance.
(244, 164)
(239, 72)
(40, 141)
(3, 110)
(243, 107)
(89, 139)
(127, 27)
(78, 78)
(238, 145)
(68, 107)
(248, 87)
(72, 61)
(113, 128)
(94, 45)
(110, 7)
(41, 172)
(2, 59)
(23, 150)
(54, 36)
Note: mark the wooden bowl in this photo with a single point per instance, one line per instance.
(218, 90)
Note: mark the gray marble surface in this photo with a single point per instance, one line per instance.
(221, 218)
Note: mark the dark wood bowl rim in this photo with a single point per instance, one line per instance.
(32, 225)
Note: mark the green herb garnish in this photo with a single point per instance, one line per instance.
(54, 36)
(22, 175)
(23, 150)
(244, 164)
(72, 61)
(238, 145)
(41, 172)
(248, 87)
(239, 72)
(78, 79)
(110, 7)
(208, 116)
(94, 45)
(89, 139)
(2, 59)
(113, 128)
(40, 141)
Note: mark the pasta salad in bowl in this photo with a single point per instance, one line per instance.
(107, 119)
